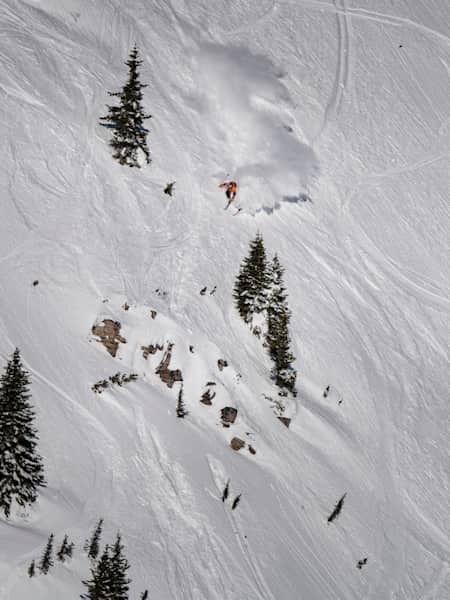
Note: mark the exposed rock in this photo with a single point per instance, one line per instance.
(108, 332)
(222, 363)
(191, 349)
(285, 420)
(229, 415)
(126, 306)
(207, 397)
(168, 376)
(257, 331)
(236, 443)
(153, 314)
(169, 188)
(35, 282)
(203, 291)
(116, 379)
(150, 349)
(251, 449)
(211, 383)
(213, 291)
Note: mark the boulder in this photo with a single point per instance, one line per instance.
(222, 363)
(228, 415)
(236, 443)
(285, 420)
(207, 397)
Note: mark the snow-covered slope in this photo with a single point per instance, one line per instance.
(344, 103)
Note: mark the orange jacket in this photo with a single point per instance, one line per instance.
(230, 185)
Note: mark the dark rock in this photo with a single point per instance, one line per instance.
(228, 415)
(153, 314)
(236, 443)
(169, 188)
(35, 282)
(285, 420)
(222, 363)
(150, 349)
(126, 306)
(361, 563)
(207, 397)
(251, 449)
(203, 291)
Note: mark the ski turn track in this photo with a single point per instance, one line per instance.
(342, 78)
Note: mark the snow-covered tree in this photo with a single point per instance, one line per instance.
(252, 283)
(119, 566)
(181, 409)
(21, 468)
(129, 141)
(47, 558)
(109, 579)
(32, 569)
(92, 546)
(65, 550)
(277, 336)
(99, 586)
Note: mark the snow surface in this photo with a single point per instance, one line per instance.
(297, 100)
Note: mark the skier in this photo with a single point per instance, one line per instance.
(230, 191)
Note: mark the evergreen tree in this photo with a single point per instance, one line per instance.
(99, 586)
(127, 120)
(277, 336)
(32, 569)
(47, 557)
(92, 546)
(21, 468)
(251, 285)
(181, 409)
(65, 550)
(118, 572)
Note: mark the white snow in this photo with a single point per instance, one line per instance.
(294, 100)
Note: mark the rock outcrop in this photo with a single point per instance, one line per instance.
(167, 375)
(109, 333)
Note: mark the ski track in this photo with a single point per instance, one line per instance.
(342, 76)
(370, 15)
(261, 588)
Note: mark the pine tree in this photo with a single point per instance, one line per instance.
(181, 409)
(21, 468)
(65, 550)
(99, 587)
(277, 336)
(251, 285)
(129, 139)
(47, 557)
(92, 546)
(32, 569)
(118, 572)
